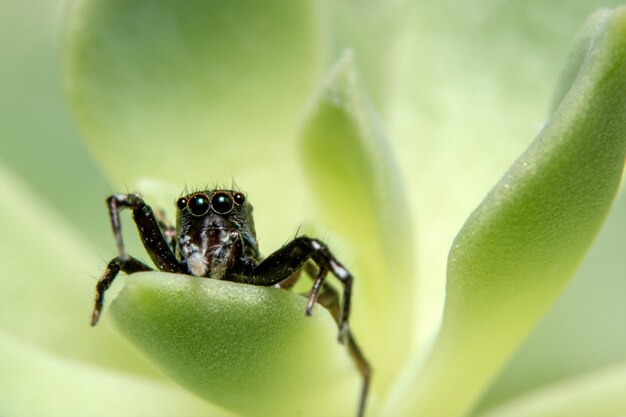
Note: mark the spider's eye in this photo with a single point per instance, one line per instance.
(222, 203)
(181, 203)
(198, 204)
(239, 199)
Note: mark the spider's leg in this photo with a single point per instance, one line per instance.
(313, 295)
(149, 231)
(128, 265)
(316, 274)
(282, 269)
(167, 229)
(151, 236)
(288, 283)
(329, 298)
(291, 257)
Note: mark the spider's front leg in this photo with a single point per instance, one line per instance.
(127, 265)
(291, 257)
(148, 228)
(151, 237)
(167, 228)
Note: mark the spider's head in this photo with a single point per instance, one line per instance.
(209, 224)
(215, 208)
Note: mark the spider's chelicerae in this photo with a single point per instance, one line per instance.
(215, 238)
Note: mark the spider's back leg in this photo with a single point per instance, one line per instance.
(291, 258)
(329, 298)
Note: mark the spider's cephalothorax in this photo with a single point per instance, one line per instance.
(215, 238)
(215, 235)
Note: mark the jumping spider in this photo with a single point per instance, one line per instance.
(215, 238)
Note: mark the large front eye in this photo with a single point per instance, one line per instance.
(222, 203)
(198, 205)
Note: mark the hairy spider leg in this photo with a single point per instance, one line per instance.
(128, 265)
(290, 258)
(151, 237)
(167, 228)
(313, 295)
(149, 232)
(281, 269)
(329, 298)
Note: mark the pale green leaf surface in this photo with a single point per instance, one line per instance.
(249, 349)
(47, 282)
(38, 140)
(469, 89)
(371, 30)
(196, 93)
(584, 329)
(36, 383)
(359, 192)
(597, 394)
(520, 246)
(580, 47)
(157, 84)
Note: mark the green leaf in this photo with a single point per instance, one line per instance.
(469, 91)
(47, 154)
(163, 90)
(48, 282)
(598, 394)
(584, 329)
(520, 246)
(585, 40)
(246, 348)
(372, 30)
(34, 382)
(358, 189)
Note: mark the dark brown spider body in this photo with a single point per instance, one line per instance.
(215, 238)
(212, 244)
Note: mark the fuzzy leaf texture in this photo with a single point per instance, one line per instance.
(239, 345)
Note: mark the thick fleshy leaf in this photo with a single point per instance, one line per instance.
(36, 383)
(519, 247)
(358, 189)
(600, 394)
(163, 89)
(47, 282)
(584, 329)
(469, 90)
(249, 349)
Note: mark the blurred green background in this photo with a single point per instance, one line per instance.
(462, 89)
